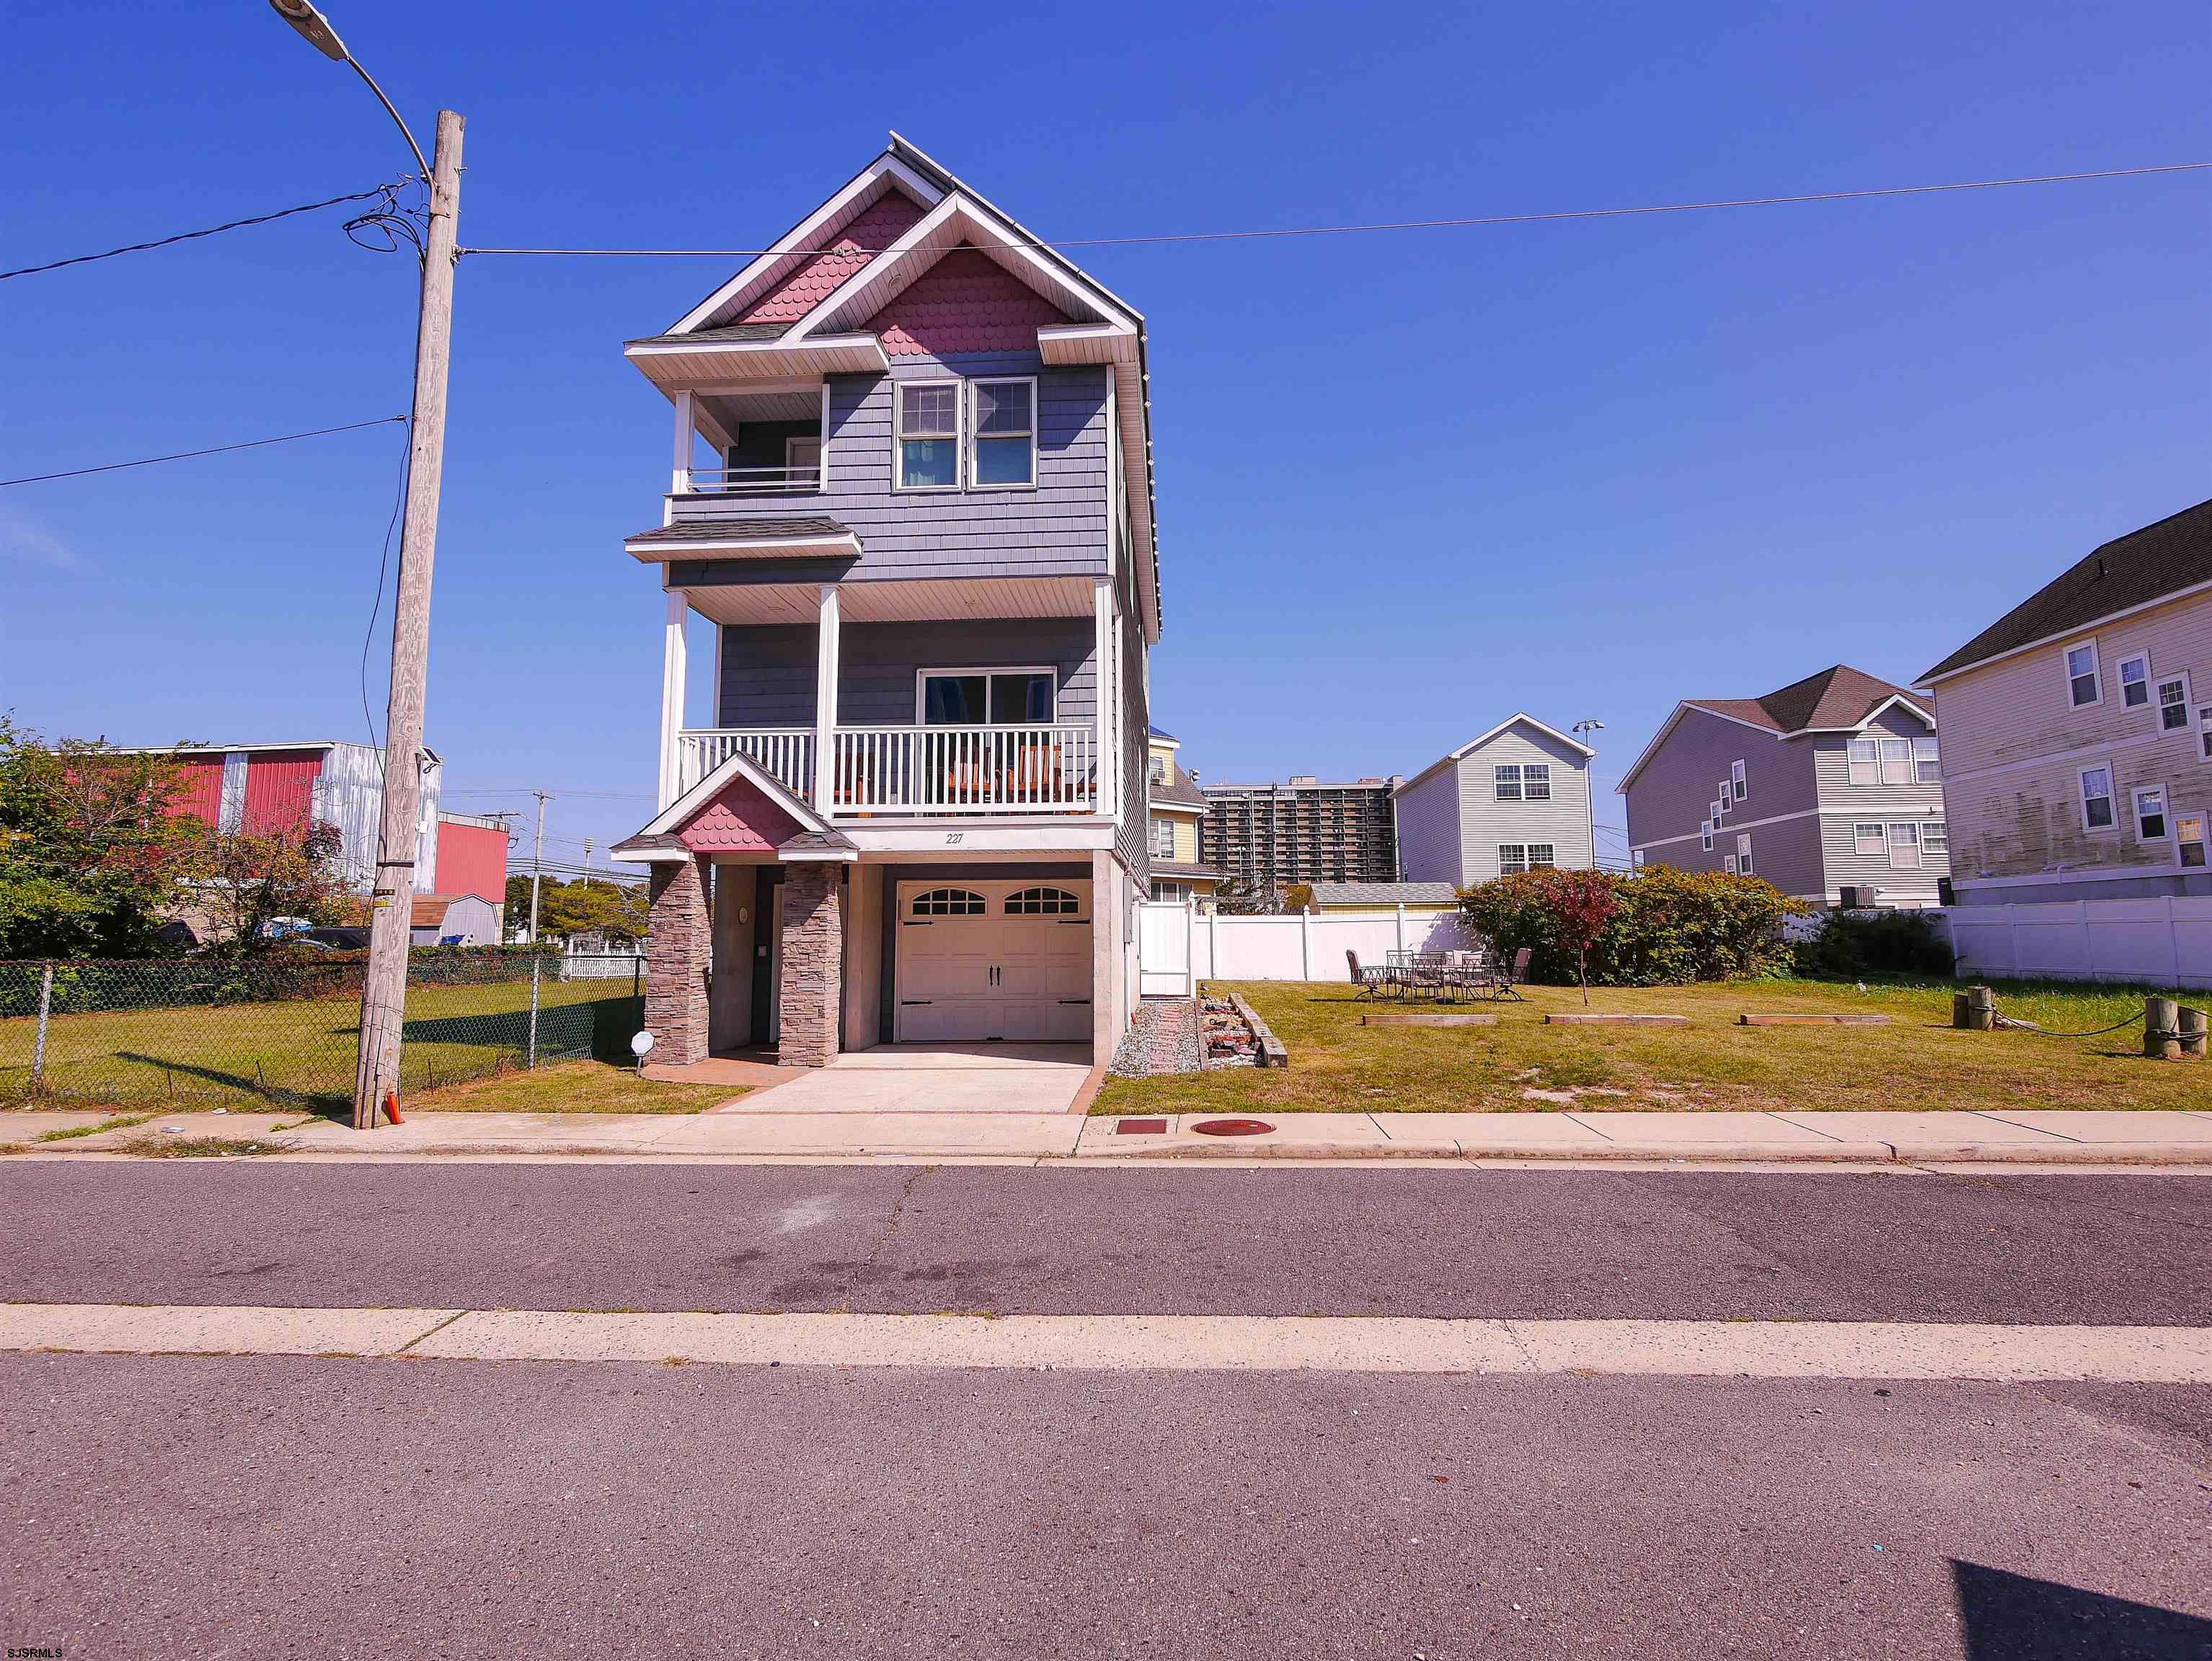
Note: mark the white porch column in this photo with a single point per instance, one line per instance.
(686, 426)
(674, 649)
(825, 701)
(1107, 680)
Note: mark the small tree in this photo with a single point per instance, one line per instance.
(248, 881)
(1579, 904)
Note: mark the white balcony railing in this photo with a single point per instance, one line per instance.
(979, 771)
(786, 752)
(750, 481)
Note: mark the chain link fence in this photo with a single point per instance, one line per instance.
(286, 1028)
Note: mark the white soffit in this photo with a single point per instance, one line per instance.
(910, 600)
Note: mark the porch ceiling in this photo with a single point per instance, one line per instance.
(913, 601)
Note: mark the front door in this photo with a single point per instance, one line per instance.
(978, 961)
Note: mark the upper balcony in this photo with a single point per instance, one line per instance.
(975, 771)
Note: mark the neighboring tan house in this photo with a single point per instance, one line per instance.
(1515, 799)
(2077, 729)
(1177, 806)
(1830, 788)
(924, 537)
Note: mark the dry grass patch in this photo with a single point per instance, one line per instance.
(1916, 1064)
(571, 1087)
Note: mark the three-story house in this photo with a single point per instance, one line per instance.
(912, 490)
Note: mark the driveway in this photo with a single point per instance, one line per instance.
(933, 1078)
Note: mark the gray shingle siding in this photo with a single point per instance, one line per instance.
(768, 673)
(1057, 529)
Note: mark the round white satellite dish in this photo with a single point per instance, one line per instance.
(641, 1046)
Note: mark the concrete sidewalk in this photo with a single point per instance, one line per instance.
(2029, 1138)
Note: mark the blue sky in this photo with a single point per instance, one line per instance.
(1408, 482)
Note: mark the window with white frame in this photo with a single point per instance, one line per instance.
(2188, 840)
(2204, 733)
(1728, 863)
(1542, 856)
(1705, 835)
(1176, 891)
(1743, 854)
(1156, 767)
(1512, 856)
(1636, 858)
(1904, 845)
(1739, 781)
(985, 697)
(1927, 762)
(1002, 440)
(1936, 840)
(2173, 701)
(1536, 781)
(929, 419)
(1716, 808)
(2150, 814)
(1896, 761)
(2135, 681)
(1724, 796)
(1881, 760)
(2097, 798)
(1163, 838)
(802, 461)
(1868, 839)
(1506, 782)
(2081, 687)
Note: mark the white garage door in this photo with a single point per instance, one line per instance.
(982, 960)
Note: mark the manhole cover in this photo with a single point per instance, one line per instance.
(1141, 1127)
(1233, 1127)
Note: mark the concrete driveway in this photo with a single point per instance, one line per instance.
(933, 1078)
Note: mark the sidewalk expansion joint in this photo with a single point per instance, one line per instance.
(431, 1330)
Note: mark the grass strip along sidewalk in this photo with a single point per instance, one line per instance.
(1916, 1062)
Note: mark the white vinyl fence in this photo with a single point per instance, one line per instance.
(1178, 944)
(2162, 942)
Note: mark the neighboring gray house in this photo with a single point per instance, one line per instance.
(1516, 798)
(2078, 736)
(1829, 788)
(912, 488)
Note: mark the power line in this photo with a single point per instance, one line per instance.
(383, 565)
(212, 230)
(1429, 224)
(216, 450)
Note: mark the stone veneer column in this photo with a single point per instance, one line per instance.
(678, 936)
(813, 964)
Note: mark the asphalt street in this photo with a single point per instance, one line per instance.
(172, 1505)
(2096, 1250)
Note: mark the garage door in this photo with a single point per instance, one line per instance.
(983, 961)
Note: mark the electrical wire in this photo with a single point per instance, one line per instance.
(212, 230)
(1427, 224)
(383, 565)
(214, 450)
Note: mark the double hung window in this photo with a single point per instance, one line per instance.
(929, 435)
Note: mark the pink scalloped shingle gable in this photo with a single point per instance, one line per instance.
(966, 302)
(875, 230)
(741, 818)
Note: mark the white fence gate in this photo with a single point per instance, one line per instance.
(1163, 948)
(2162, 942)
(1177, 945)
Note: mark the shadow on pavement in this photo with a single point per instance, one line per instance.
(2013, 1617)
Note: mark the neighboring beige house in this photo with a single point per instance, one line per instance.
(2077, 729)
(1176, 806)
(1515, 799)
(1831, 788)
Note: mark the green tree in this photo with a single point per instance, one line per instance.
(93, 852)
(564, 909)
(248, 881)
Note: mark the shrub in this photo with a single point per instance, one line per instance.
(1666, 928)
(1850, 944)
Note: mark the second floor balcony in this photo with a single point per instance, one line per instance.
(890, 770)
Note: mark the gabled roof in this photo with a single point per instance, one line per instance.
(1839, 698)
(1519, 717)
(2144, 566)
(827, 259)
(661, 839)
(1179, 792)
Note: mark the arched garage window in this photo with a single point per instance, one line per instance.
(948, 902)
(1049, 902)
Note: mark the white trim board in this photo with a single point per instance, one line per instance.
(1734, 826)
(1519, 717)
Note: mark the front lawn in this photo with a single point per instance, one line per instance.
(571, 1087)
(1915, 1064)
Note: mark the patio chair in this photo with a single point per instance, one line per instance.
(1371, 982)
(1504, 981)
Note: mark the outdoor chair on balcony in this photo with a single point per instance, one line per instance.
(1034, 776)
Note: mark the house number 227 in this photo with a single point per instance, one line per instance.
(951, 837)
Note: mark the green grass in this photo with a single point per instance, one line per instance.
(200, 1148)
(1916, 1063)
(304, 1049)
(120, 1121)
(571, 1087)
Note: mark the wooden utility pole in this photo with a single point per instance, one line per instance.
(383, 993)
(537, 864)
